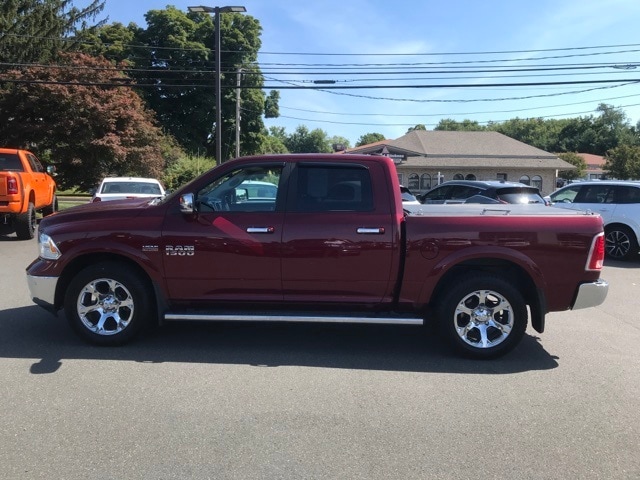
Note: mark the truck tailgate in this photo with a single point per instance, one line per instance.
(3, 184)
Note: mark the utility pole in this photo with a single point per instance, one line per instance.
(238, 77)
(218, 73)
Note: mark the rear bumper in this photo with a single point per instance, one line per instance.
(591, 294)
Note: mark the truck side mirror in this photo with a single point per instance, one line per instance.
(51, 169)
(186, 203)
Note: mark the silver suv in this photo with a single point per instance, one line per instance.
(617, 201)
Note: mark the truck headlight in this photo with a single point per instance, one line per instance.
(48, 248)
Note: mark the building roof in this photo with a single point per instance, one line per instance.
(492, 162)
(465, 149)
(476, 144)
(594, 162)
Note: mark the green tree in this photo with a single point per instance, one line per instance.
(537, 132)
(89, 128)
(613, 128)
(449, 124)
(186, 169)
(173, 57)
(623, 162)
(575, 160)
(368, 138)
(115, 41)
(419, 126)
(305, 141)
(272, 144)
(338, 141)
(39, 30)
(598, 134)
(271, 104)
(579, 135)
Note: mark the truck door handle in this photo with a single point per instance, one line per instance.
(371, 231)
(260, 229)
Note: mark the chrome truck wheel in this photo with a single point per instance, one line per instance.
(483, 316)
(106, 304)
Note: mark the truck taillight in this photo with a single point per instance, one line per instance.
(596, 254)
(12, 186)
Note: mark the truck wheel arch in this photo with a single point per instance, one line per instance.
(532, 293)
(80, 263)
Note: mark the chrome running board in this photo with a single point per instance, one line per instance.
(169, 316)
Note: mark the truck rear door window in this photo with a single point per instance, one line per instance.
(331, 188)
(10, 163)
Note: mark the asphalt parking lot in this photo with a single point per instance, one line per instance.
(228, 401)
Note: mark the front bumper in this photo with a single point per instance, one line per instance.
(591, 294)
(43, 291)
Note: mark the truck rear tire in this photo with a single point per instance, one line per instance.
(26, 223)
(483, 316)
(108, 304)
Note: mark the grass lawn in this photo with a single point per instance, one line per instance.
(71, 198)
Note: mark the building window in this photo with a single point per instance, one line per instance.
(536, 181)
(525, 179)
(501, 176)
(401, 179)
(425, 182)
(470, 176)
(458, 176)
(414, 182)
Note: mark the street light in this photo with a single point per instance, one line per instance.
(218, 88)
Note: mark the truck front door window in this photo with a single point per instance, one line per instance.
(249, 189)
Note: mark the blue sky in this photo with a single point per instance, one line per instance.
(421, 32)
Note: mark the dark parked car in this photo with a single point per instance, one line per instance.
(482, 191)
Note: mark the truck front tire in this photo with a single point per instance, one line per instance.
(26, 223)
(483, 316)
(50, 209)
(107, 304)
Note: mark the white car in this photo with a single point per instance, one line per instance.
(617, 202)
(408, 198)
(120, 188)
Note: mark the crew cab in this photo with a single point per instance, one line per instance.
(333, 243)
(25, 188)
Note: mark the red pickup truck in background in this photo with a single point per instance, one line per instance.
(25, 187)
(316, 238)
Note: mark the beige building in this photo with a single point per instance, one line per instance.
(426, 158)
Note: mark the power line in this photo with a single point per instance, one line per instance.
(433, 124)
(352, 114)
(424, 54)
(433, 54)
(328, 87)
(523, 97)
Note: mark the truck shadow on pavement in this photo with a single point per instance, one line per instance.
(29, 332)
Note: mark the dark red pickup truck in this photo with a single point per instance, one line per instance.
(316, 238)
